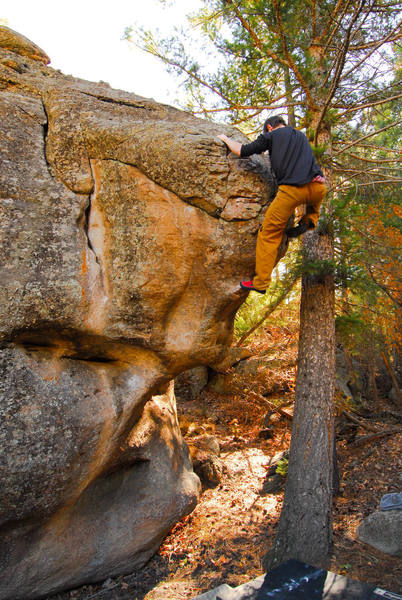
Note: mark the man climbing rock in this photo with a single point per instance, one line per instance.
(300, 181)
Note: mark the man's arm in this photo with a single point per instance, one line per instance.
(261, 144)
(234, 146)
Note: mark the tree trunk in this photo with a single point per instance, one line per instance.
(305, 525)
(289, 98)
(373, 384)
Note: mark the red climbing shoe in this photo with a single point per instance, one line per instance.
(248, 285)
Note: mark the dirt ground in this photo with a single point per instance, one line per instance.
(225, 537)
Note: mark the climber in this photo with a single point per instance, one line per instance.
(300, 181)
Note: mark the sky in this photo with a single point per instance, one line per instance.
(83, 38)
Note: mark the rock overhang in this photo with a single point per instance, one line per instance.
(90, 132)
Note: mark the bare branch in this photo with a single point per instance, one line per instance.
(359, 422)
(368, 238)
(182, 68)
(384, 148)
(347, 91)
(383, 287)
(376, 160)
(365, 137)
(354, 108)
(259, 109)
(366, 307)
(375, 45)
(393, 180)
(375, 436)
(246, 118)
(270, 405)
(373, 146)
(271, 307)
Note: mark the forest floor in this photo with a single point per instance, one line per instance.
(224, 539)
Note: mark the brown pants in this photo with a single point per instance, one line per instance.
(275, 220)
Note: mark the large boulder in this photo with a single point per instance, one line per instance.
(125, 228)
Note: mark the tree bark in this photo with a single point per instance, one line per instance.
(305, 525)
(373, 384)
(289, 98)
(393, 376)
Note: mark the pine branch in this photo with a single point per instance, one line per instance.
(314, 18)
(339, 65)
(332, 19)
(385, 7)
(378, 44)
(290, 62)
(232, 107)
(358, 29)
(393, 180)
(263, 49)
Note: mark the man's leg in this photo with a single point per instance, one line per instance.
(316, 193)
(270, 235)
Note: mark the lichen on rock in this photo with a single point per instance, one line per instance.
(125, 229)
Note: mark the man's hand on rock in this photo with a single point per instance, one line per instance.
(234, 146)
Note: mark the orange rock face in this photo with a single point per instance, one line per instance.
(125, 229)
